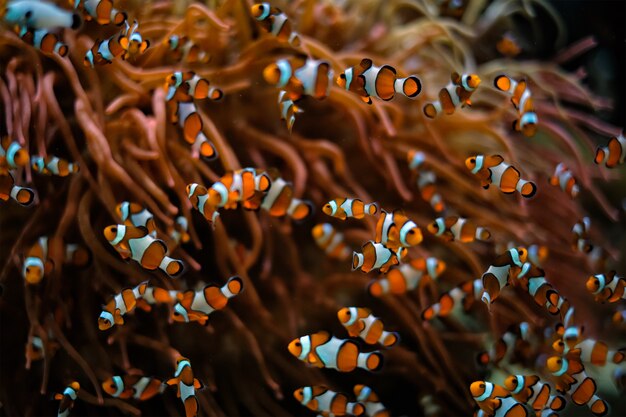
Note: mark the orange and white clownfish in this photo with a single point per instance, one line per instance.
(179, 233)
(508, 45)
(288, 109)
(67, 398)
(570, 333)
(37, 14)
(187, 85)
(300, 76)
(279, 200)
(491, 397)
(134, 214)
(572, 379)
(395, 230)
(360, 322)
(198, 305)
(591, 351)
(407, 276)
(458, 228)
(564, 178)
(186, 386)
(325, 351)
(38, 261)
(330, 241)
(529, 389)
(492, 169)
(580, 235)
(46, 41)
(321, 399)
(368, 80)
(122, 303)
(22, 195)
(463, 296)
(12, 155)
(561, 307)
(342, 208)
(502, 350)
(523, 102)
(187, 117)
(373, 407)
(137, 244)
(199, 197)
(607, 287)
(456, 93)
(512, 262)
(274, 21)
(376, 256)
(246, 186)
(131, 40)
(137, 387)
(52, 165)
(104, 52)
(426, 180)
(102, 11)
(184, 49)
(156, 295)
(534, 281)
(614, 153)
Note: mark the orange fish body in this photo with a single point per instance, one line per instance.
(395, 230)
(493, 170)
(156, 295)
(607, 287)
(240, 186)
(12, 155)
(187, 117)
(455, 94)
(510, 263)
(122, 303)
(185, 86)
(614, 153)
(322, 400)
(360, 322)
(375, 256)
(300, 76)
(330, 241)
(450, 302)
(407, 276)
(580, 236)
(39, 260)
(529, 389)
(8, 189)
(522, 101)
(535, 282)
(288, 109)
(279, 200)
(46, 41)
(133, 214)
(198, 305)
(274, 21)
(199, 198)
(426, 180)
(508, 46)
(342, 208)
(458, 228)
(564, 178)
(103, 52)
(52, 165)
(67, 399)
(186, 386)
(102, 11)
(185, 50)
(488, 396)
(504, 348)
(137, 387)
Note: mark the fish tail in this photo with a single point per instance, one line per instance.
(357, 260)
(409, 87)
(172, 267)
(371, 361)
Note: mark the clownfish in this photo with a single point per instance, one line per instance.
(240, 186)
(456, 93)
(12, 155)
(67, 398)
(407, 276)
(103, 52)
(37, 349)
(607, 287)
(38, 260)
(187, 117)
(522, 101)
(279, 200)
(325, 351)
(134, 214)
(373, 407)
(300, 76)
(179, 233)
(46, 41)
(137, 387)
(186, 386)
(330, 241)
(185, 86)
(368, 80)
(537, 254)
(22, 195)
(342, 208)
(131, 40)
(198, 305)
(535, 282)
(52, 165)
(561, 307)
(492, 398)
(458, 228)
(449, 302)
(288, 109)
(564, 178)
(184, 49)
(395, 230)
(199, 197)
(37, 14)
(591, 351)
(569, 333)
(492, 169)
(580, 236)
(274, 21)
(376, 256)
(102, 11)
(360, 322)
(508, 46)
(529, 389)
(425, 180)
(156, 295)
(511, 262)
(321, 399)
(572, 379)
(136, 243)
(614, 153)
(122, 303)
(514, 338)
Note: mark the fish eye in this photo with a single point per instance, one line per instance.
(114, 229)
(298, 344)
(473, 160)
(28, 269)
(348, 313)
(342, 76)
(481, 386)
(28, 14)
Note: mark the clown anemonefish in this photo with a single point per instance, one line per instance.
(395, 230)
(103, 52)
(279, 200)
(274, 21)
(134, 214)
(463, 296)
(537, 254)
(376, 256)
(321, 399)
(67, 398)
(52, 165)
(288, 109)
(580, 235)
(300, 76)
(38, 260)
(455, 94)
(514, 338)
(186, 386)
(330, 241)
(591, 351)
(122, 303)
(325, 351)
(198, 305)
(529, 389)
(37, 14)
(135, 243)
(508, 45)
(12, 155)
(373, 406)
(246, 186)
(156, 295)
(187, 117)
(564, 178)
(131, 40)
(458, 228)
(137, 387)
(360, 322)
(184, 49)
(46, 41)
(523, 102)
(492, 398)
(614, 153)
(342, 208)
(607, 287)
(535, 282)
(22, 195)
(102, 11)
(512, 262)
(179, 233)
(198, 196)
(407, 276)
(425, 180)
(492, 169)
(185, 86)
(368, 80)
